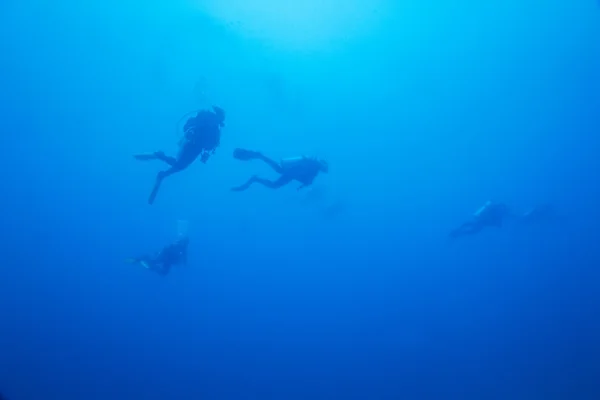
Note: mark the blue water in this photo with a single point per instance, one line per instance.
(424, 110)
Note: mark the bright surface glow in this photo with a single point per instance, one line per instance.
(305, 23)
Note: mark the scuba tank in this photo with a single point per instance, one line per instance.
(482, 209)
(203, 119)
(291, 162)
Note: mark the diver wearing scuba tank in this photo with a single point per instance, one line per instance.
(491, 214)
(300, 169)
(202, 136)
(161, 262)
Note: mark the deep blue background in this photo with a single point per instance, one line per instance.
(425, 115)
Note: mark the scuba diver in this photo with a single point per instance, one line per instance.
(170, 255)
(202, 136)
(301, 169)
(491, 214)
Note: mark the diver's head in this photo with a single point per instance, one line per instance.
(323, 166)
(220, 113)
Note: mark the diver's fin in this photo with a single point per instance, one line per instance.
(145, 157)
(154, 190)
(159, 178)
(244, 155)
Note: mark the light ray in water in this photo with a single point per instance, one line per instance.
(308, 23)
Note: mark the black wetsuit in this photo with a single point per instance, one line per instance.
(202, 136)
(304, 171)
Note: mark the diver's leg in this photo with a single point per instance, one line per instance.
(245, 186)
(271, 163)
(157, 155)
(162, 157)
(186, 156)
(282, 181)
(472, 228)
(455, 233)
(468, 228)
(156, 187)
(159, 178)
(245, 155)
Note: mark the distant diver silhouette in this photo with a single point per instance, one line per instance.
(202, 136)
(301, 169)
